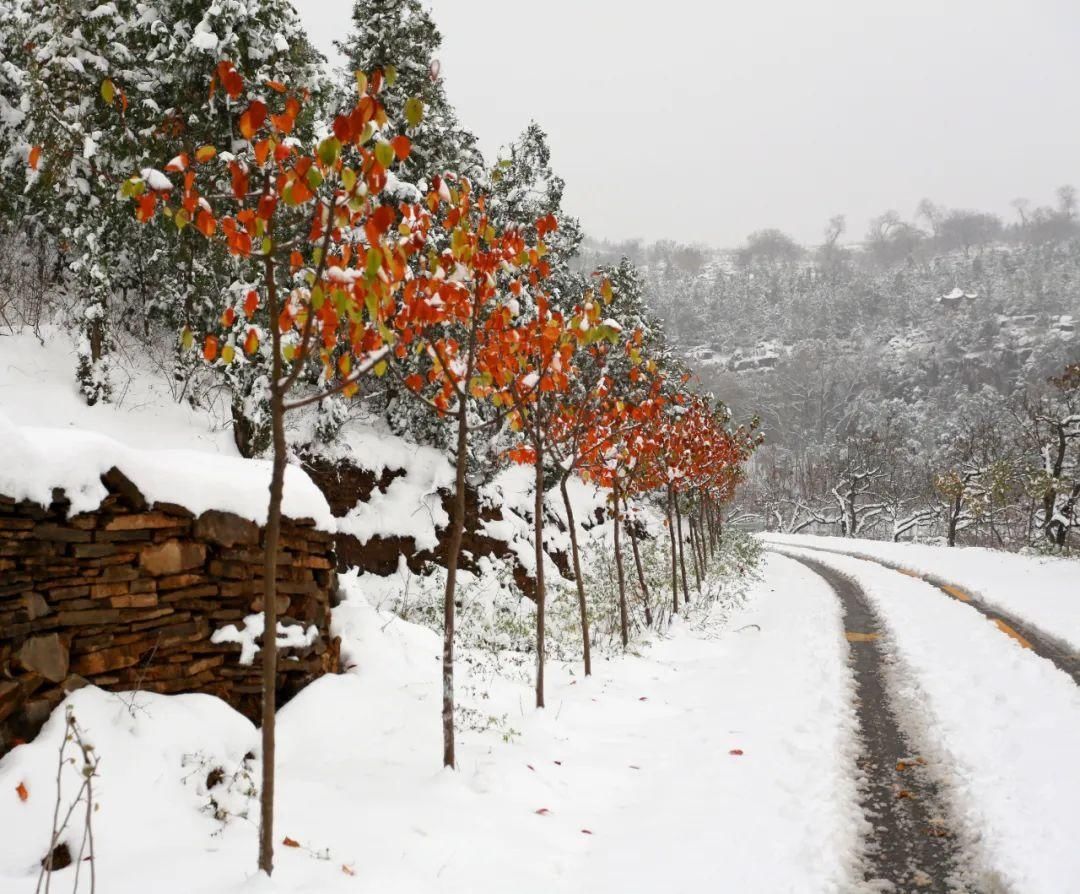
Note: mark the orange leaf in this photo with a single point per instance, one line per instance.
(178, 164)
(401, 145)
(288, 842)
(204, 153)
(35, 157)
(21, 791)
(147, 205)
(414, 381)
(283, 123)
(262, 150)
(252, 119)
(348, 870)
(251, 302)
(205, 223)
(228, 317)
(276, 86)
(251, 343)
(210, 349)
(230, 79)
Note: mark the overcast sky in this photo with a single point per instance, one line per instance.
(703, 120)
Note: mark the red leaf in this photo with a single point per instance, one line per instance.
(35, 157)
(736, 751)
(402, 145)
(21, 791)
(230, 79)
(205, 223)
(251, 304)
(288, 842)
(543, 811)
(210, 349)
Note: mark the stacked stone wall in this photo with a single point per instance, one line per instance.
(129, 596)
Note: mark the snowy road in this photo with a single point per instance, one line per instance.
(998, 724)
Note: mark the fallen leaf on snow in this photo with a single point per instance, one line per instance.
(348, 870)
(288, 842)
(22, 792)
(736, 751)
(543, 811)
(586, 831)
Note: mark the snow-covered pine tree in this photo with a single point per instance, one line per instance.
(79, 120)
(13, 61)
(401, 35)
(523, 189)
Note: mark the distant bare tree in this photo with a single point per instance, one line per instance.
(769, 247)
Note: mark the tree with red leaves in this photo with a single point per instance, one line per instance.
(333, 262)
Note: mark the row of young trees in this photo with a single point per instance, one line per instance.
(431, 292)
(306, 248)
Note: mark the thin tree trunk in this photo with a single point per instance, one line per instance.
(682, 551)
(640, 572)
(453, 553)
(268, 653)
(585, 653)
(711, 520)
(954, 517)
(674, 558)
(624, 625)
(694, 552)
(704, 534)
(538, 534)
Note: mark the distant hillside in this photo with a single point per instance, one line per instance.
(858, 350)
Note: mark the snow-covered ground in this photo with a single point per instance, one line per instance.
(1044, 591)
(999, 723)
(721, 754)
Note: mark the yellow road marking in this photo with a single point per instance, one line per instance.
(853, 637)
(956, 592)
(1008, 631)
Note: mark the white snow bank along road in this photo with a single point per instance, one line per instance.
(1043, 591)
(1002, 723)
(630, 781)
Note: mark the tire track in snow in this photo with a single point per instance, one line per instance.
(1038, 641)
(909, 846)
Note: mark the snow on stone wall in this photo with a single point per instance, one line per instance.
(129, 595)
